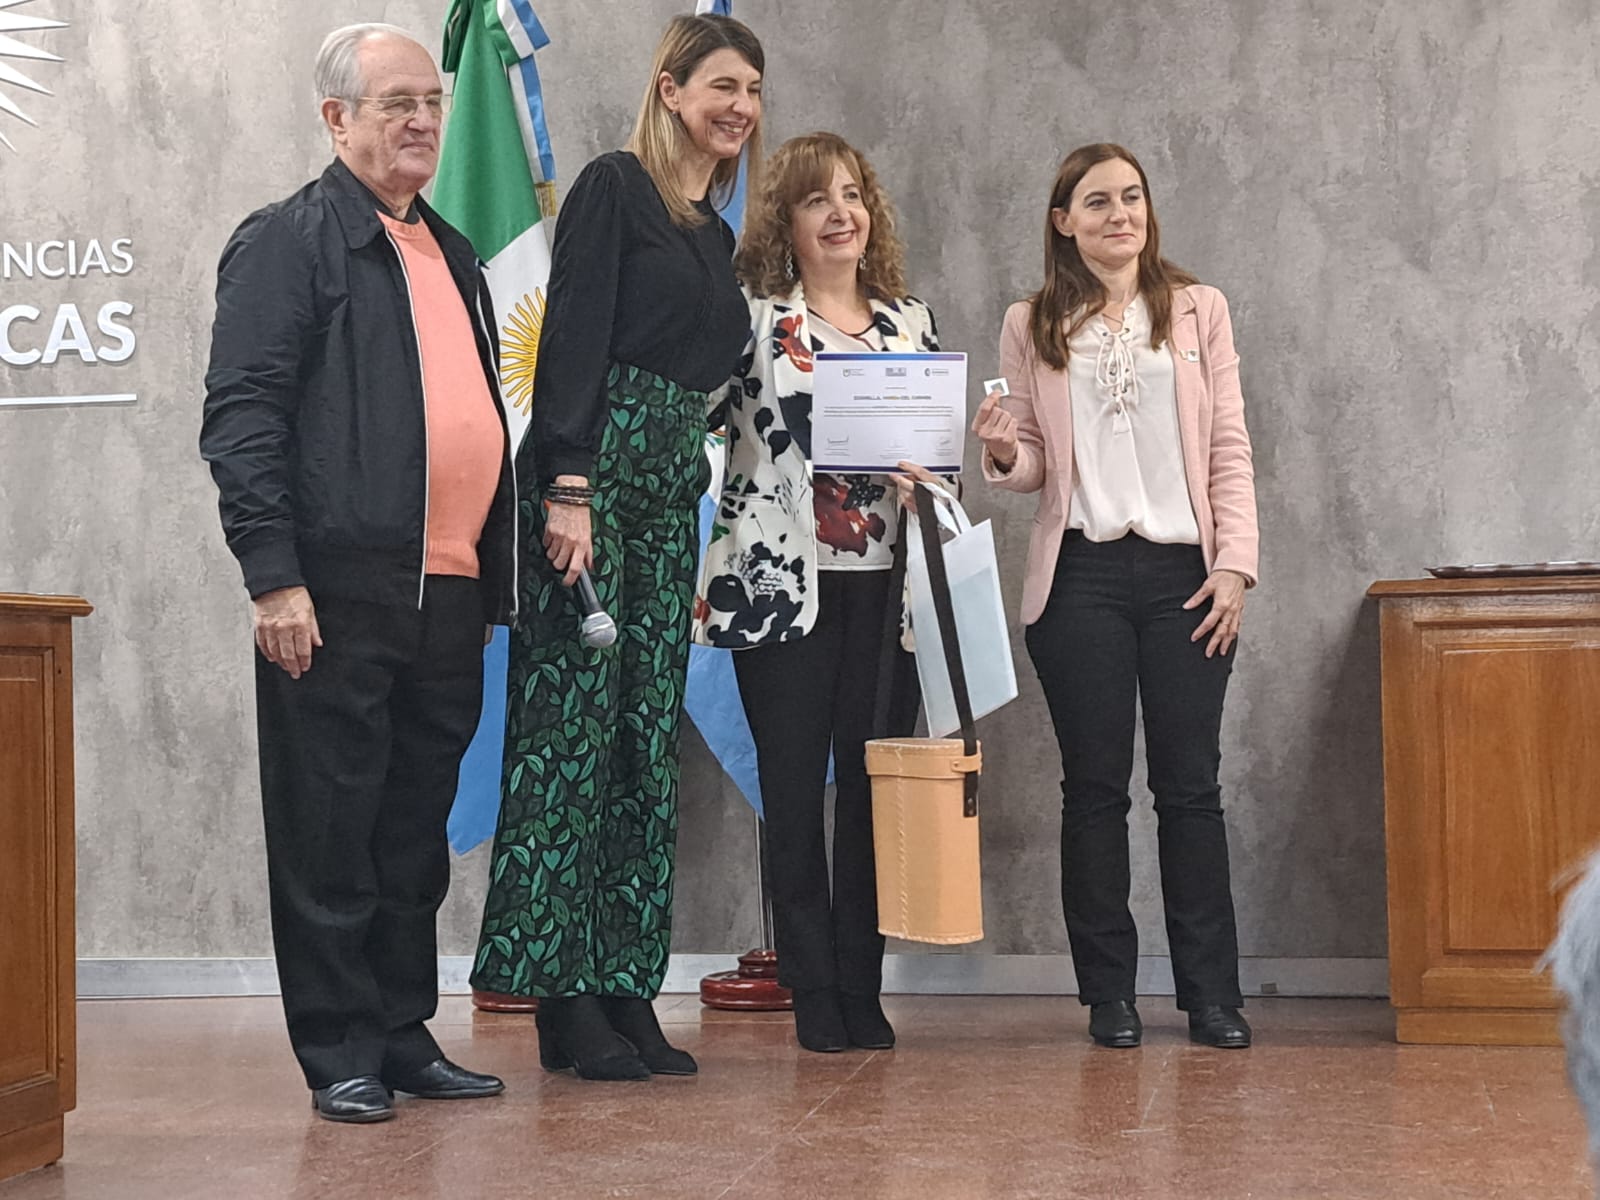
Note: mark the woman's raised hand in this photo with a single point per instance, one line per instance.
(997, 429)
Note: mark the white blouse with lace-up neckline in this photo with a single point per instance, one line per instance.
(1128, 474)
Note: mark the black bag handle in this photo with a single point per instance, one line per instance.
(891, 633)
(939, 581)
(933, 551)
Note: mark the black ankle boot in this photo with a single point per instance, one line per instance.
(818, 1021)
(635, 1019)
(864, 1022)
(574, 1034)
(1116, 1024)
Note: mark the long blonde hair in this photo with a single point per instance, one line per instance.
(659, 139)
(801, 166)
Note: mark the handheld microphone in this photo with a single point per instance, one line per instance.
(598, 629)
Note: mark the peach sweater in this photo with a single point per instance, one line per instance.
(465, 441)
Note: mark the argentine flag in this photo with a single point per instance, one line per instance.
(496, 185)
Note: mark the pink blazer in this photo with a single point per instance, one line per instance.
(1216, 444)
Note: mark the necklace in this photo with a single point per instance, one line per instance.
(861, 336)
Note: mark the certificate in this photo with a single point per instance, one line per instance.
(870, 412)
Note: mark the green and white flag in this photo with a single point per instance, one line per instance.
(496, 176)
(496, 185)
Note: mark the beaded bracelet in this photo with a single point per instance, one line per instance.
(573, 494)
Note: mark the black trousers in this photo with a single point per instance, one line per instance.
(359, 759)
(801, 698)
(1115, 627)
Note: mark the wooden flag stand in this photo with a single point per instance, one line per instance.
(501, 1002)
(754, 986)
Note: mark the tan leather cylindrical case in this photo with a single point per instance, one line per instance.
(929, 884)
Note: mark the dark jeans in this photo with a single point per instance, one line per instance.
(801, 697)
(1115, 624)
(359, 759)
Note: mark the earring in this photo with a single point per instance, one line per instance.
(863, 261)
(788, 264)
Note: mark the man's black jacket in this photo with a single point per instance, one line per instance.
(315, 424)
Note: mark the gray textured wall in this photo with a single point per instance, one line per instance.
(1397, 199)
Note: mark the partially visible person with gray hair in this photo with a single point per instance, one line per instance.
(364, 467)
(1574, 960)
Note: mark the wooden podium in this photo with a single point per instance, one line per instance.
(1491, 759)
(38, 984)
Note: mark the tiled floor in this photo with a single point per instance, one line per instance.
(985, 1098)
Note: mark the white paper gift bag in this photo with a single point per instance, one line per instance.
(980, 615)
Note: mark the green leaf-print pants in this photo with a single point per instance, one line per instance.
(580, 885)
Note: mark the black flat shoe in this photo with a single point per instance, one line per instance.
(818, 1021)
(635, 1019)
(1220, 1027)
(1116, 1023)
(574, 1035)
(864, 1023)
(358, 1101)
(444, 1080)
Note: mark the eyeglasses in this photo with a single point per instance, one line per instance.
(403, 108)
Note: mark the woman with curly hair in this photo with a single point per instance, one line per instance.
(796, 575)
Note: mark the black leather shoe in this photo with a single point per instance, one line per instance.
(818, 1021)
(1115, 1023)
(444, 1080)
(575, 1035)
(864, 1022)
(1221, 1027)
(357, 1101)
(635, 1019)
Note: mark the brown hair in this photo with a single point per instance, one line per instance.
(659, 139)
(801, 166)
(1071, 290)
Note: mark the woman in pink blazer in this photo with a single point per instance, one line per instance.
(1125, 416)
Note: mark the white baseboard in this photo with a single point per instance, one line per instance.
(915, 974)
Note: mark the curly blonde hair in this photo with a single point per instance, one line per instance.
(800, 166)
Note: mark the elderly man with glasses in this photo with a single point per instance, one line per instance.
(364, 468)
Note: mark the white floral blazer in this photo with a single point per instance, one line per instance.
(758, 579)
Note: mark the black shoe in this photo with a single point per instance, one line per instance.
(864, 1023)
(574, 1035)
(818, 1021)
(444, 1080)
(635, 1019)
(1221, 1027)
(1115, 1023)
(357, 1101)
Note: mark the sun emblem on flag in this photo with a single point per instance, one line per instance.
(519, 350)
(10, 47)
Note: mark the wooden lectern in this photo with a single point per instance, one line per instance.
(38, 982)
(1491, 763)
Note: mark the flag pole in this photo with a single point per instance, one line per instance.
(754, 986)
(496, 185)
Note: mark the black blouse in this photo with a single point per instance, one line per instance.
(628, 286)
